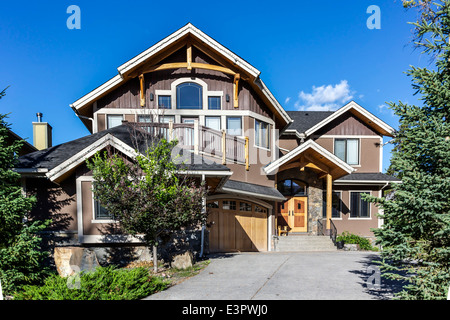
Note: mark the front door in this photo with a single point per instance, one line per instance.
(294, 213)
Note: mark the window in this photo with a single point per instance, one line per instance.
(166, 119)
(234, 126)
(292, 187)
(164, 102)
(335, 205)
(213, 123)
(213, 204)
(244, 206)
(358, 207)
(347, 150)
(114, 120)
(228, 205)
(145, 118)
(214, 103)
(100, 212)
(261, 134)
(189, 96)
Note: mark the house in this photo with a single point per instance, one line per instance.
(270, 170)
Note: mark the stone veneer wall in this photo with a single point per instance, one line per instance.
(315, 193)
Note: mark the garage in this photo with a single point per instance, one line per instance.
(237, 225)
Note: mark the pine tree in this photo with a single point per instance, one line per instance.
(20, 254)
(415, 237)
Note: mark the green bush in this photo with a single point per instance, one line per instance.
(364, 244)
(105, 283)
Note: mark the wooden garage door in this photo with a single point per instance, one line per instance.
(236, 226)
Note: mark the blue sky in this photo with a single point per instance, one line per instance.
(312, 55)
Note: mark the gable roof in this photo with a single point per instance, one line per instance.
(304, 120)
(59, 160)
(340, 165)
(190, 30)
(358, 111)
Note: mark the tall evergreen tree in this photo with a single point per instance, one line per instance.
(415, 237)
(20, 254)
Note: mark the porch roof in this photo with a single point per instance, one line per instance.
(254, 190)
(310, 154)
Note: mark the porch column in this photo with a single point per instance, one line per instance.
(329, 199)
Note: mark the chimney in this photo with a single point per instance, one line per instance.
(42, 133)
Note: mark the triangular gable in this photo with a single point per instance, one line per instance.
(368, 118)
(171, 44)
(317, 154)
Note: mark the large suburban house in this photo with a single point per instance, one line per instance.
(271, 172)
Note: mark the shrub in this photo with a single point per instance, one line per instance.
(364, 244)
(105, 283)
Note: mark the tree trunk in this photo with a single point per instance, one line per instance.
(155, 259)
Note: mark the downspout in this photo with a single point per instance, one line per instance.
(203, 226)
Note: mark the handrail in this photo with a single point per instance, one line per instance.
(320, 228)
(333, 232)
(201, 139)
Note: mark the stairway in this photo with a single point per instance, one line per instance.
(292, 243)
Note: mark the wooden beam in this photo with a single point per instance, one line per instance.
(177, 65)
(329, 199)
(320, 166)
(142, 93)
(189, 56)
(237, 76)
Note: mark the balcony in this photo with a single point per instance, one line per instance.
(201, 140)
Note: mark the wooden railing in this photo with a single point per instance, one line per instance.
(201, 140)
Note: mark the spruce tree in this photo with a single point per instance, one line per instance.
(415, 236)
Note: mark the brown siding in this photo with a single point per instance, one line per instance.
(346, 124)
(56, 202)
(356, 226)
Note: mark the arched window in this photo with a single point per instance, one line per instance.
(291, 187)
(189, 96)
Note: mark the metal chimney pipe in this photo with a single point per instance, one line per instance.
(39, 117)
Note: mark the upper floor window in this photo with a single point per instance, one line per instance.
(114, 120)
(347, 150)
(234, 126)
(290, 187)
(164, 102)
(261, 134)
(214, 103)
(189, 96)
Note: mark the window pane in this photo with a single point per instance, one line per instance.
(298, 188)
(339, 148)
(261, 134)
(166, 119)
(244, 206)
(214, 103)
(189, 96)
(213, 123)
(336, 205)
(100, 212)
(213, 204)
(114, 120)
(234, 126)
(165, 102)
(352, 151)
(284, 187)
(229, 205)
(364, 207)
(145, 118)
(354, 204)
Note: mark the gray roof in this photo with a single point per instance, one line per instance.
(304, 120)
(263, 191)
(368, 176)
(54, 156)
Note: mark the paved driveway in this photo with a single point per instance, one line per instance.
(275, 276)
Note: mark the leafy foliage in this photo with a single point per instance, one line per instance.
(416, 234)
(147, 195)
(20, 254)
(350, 238)
(105, 283)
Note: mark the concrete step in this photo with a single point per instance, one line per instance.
(304, 243)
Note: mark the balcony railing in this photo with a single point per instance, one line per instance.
(201, 140)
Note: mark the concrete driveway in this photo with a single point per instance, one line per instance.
(285, 276)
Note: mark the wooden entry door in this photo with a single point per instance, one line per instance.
(294, 214)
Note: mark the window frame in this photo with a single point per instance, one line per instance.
(339, 210)
(358, 217)
(193, 84)
(113, 115)
(291, 194)
(220, 102)
(164, 96)
(259, 135)
(358, 152)
(241, 129)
